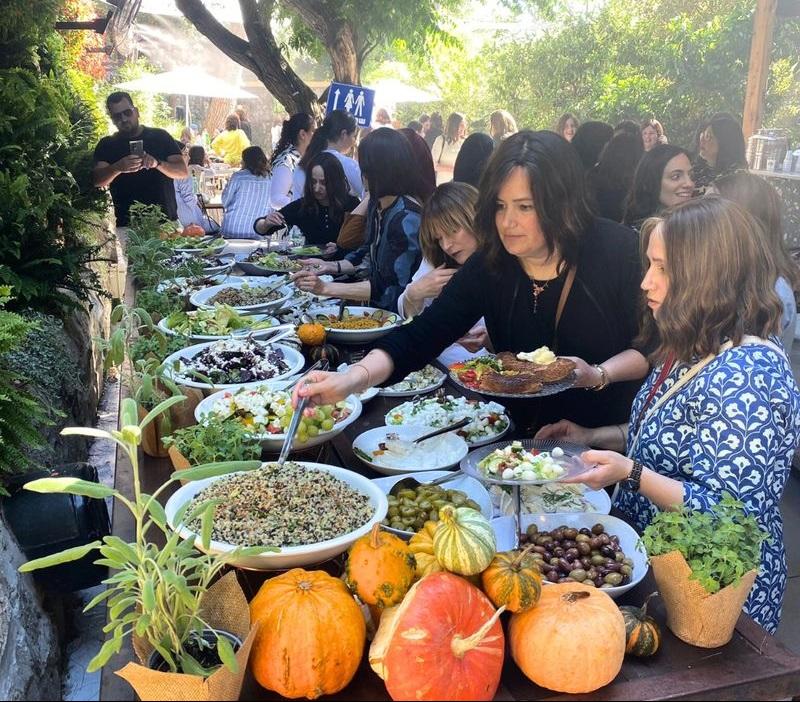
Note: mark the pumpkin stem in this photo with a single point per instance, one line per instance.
(516, 564)
(646, 601)
(373, 536)
(461, 646)
(576, 595)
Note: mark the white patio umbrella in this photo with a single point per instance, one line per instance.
(186, 81)
(393, 91)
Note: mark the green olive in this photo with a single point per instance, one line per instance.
(578, 574)
(458, 500)
(532, 530)
(408, 512)
(425, 504)
(407, 494)
(598, 560)
(614, 579)
(626, 570)
(393, 511)
(473, 505)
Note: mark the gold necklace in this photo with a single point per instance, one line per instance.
(538, 290)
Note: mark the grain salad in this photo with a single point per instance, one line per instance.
(289, 506)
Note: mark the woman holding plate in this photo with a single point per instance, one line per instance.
(549, 273)
(720, 412)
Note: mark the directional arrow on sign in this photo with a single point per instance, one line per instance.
(336, 98)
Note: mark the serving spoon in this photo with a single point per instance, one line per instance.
(296, 417)
(403, 447)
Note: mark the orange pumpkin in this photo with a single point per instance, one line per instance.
(193, 230)
(443, 642)
(311, 634)
(513, 579)
(311, 334)
(380, 568)
(572, 622)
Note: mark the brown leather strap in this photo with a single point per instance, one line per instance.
(562, 300)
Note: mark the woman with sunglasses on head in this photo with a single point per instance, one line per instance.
(720, 412)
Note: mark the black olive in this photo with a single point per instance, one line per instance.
(565, 565)
(553, 576)
(613, 567)
(598, 529)
(572, 553)
(585, 531)
(604, 539)
(607, 551)
(569, 543)
(570, 533)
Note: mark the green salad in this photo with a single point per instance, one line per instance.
(277, 262)
(196, 243)
(305, 250)
(220, 321)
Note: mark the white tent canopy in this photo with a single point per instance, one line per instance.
(390, 91)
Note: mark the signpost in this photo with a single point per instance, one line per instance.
(354, 99)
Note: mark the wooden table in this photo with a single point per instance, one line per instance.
(754, 665)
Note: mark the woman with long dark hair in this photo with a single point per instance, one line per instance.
(662, 179)
(391, 253)
(472, 158)
(610, 180)
(447, 145)
(296, 135)
(424, 162)
(721, 151)
(337, 136)
(245, 194)
(549, 274)
(320, 212)
(589, 140)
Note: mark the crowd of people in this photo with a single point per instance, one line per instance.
(659, 270)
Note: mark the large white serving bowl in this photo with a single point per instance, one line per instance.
(629, 540)
(274, 442)
(257, 334)
(469, 486)
(354, 336)
(367, 442)
(201, 298)
(294, 359)
(291, 556)
(217, 280)
(242, 247)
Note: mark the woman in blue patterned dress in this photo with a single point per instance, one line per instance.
(720, 411)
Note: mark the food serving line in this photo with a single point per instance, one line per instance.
(753, 665)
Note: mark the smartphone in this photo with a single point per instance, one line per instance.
(137, 147)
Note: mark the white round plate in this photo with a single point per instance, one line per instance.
(598, 501)
(391, 392)
(217, 280)
(354, 336)
(200, 299)
(469, 486)
(294, 359)
(258, 334)
(203, 246)
(274, 442)
(291, 556)
(366, 443)
(227, 262)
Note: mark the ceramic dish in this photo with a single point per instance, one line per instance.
(551, 498)
(389, 321)
(219, 264)
(417, 383)
(469, 486)
(202, 298)
(206, 244)
(547, 388)
(244, 331)
(438, 453)
(184, 286)
(291, 556)
(204, 412)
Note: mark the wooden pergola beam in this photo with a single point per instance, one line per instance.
(760, 51)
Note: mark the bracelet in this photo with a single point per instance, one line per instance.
(603, 378)
(366, 370)
(339, 271)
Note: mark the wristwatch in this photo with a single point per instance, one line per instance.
(634, 480)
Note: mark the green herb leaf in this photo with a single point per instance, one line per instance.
(226, 654)
(212, 470)
(67, 556)
(207, 525)
(148, 595)
(107, 650)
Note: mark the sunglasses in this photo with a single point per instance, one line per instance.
(115, 116)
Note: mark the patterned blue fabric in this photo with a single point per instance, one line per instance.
(244, 200)
(733, 428)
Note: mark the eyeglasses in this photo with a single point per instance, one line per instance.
(127, 112)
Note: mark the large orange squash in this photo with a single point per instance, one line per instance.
(443, 642)
(311, 634)
(572, 641)
(380, 568)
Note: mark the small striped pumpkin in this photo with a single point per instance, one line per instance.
(642, 633)
(513, 579)
(464, 541)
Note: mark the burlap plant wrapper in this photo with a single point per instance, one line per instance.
(693, 614)
(181, 415)
(225, 608)
(179, 461)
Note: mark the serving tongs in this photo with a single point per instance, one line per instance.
(298, 414)
(402, 447)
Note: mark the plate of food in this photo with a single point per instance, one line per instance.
(186, 286)
(266, 410)
(310, 250)
(489, 419)
(245, 298)
(389, 450)
(358, 325)
(526, 462)
(551, 498)
(535, 374)
(220, 365)
(311, 512)
(197, 245)
(218, 322)
(418, 382)
(218, 263)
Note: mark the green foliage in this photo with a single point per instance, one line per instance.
(720, 546)
(214, 442)
(156, 590)
(154, 110)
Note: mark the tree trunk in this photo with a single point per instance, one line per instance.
(260, 54)
(341, 47)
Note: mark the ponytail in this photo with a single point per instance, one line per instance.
(290, 132)
(336, 122)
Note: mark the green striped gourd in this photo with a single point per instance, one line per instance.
(464, 541)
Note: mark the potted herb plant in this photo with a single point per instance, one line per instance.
(212, 442)
(705, 564)
(192, 638)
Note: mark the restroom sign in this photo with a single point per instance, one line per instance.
(355, 99)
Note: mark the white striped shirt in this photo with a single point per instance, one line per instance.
(244, 200)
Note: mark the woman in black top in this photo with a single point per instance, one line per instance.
(320, 212)
(610, 180)
(721, 151)
(542, 241)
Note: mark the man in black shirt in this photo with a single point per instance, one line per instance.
(137, 174)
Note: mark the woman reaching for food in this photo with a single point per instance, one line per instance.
(720, 412)
(548, 274)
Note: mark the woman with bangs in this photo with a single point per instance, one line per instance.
(720, 412)
(548, 273)
(447, 239)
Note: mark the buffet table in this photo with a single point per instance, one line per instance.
(752, 666)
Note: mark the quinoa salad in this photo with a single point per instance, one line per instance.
(489, 419)
(289, 506)
(234, 361)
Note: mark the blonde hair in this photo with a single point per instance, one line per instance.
(502, 124)
(721, 280)
(450, 208)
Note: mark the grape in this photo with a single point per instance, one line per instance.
(313, 430)
(327, 424)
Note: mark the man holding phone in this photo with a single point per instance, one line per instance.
(138, 163)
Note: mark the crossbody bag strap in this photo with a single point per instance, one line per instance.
(562, 301)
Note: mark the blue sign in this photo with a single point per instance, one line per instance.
(355, 99)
